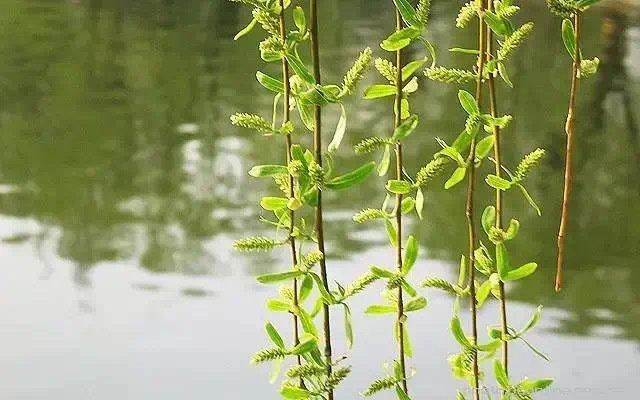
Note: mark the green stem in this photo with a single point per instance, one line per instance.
(570, 128)
(292, 240)
(398, 208)
(317, 147)
(470, 212)
(497, 155)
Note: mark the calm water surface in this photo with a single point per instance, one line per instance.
(122, 186)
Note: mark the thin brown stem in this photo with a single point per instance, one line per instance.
(398, 209)
(568, 169)
(292, 240)
(497, 155)
(317, 147)
(470, 211)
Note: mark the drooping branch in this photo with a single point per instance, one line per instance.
(568, 170)
(317, 147)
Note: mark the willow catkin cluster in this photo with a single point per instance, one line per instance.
(589, 67)
(562, 8)
(268, 21)
(356, 72)
(272, 44)
(431, 170)
(360, 284)
(251, 121)
(512, 42)
(316, 175)
(379, 385)
(310, 260)
(257, 243)
(334, 379)
(271, 354)
(528, 162)
(439, 283)
(305, 371)
(423, 10)
(370, 144)
(450, 75)
(369, 214)
(386, 69)
(467, 14)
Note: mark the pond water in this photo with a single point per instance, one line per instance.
(123, 185)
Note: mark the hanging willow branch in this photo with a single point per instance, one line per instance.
(571, 12)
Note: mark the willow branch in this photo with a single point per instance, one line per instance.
(292, 240)
(398, 208)
(317, 147)
(497, 155)
(470, 212)
(568, 169)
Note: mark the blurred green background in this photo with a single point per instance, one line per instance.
(123, 185)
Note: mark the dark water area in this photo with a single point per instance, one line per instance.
(123, 185)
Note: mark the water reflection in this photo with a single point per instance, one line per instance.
(116, 141)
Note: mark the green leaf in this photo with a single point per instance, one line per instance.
(405, 129)
(300, 69)
(462, 273)
(411, 86)
(398, 186)
(246, 29)
(533, 321)
(352, 178)
(569, 37)
(402, 395)
(528, 197)
(497, 24)
(407, 12)
(383, 166)
(278, 305)
(299, 19)
(306, 115)
(460, 396)
(483, 147)
(408, 288)
(326, 295)
(534, 385)
(512, 230)
(456, 177)
(380, 309)
(408, 204)
(305, 289)
(497, 182)
(273, 203)
(458, 333)
(521, 272)
(340, 130)
(294, 393)
(391, 232)
(419, 202)
(274, 335)
(307, 322)
(502, 70)
(270, 83)
(260, 171)
(464, 51)
(400, 39)
(348, 326)
(412, 67)
(378, 91)
(382, 273)
(483, 292)
(501, 374)
(415, 304)
(305, 346)
(279, 277)
(468, 102)
(488, 218)
(410, 255)
(502, 260)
